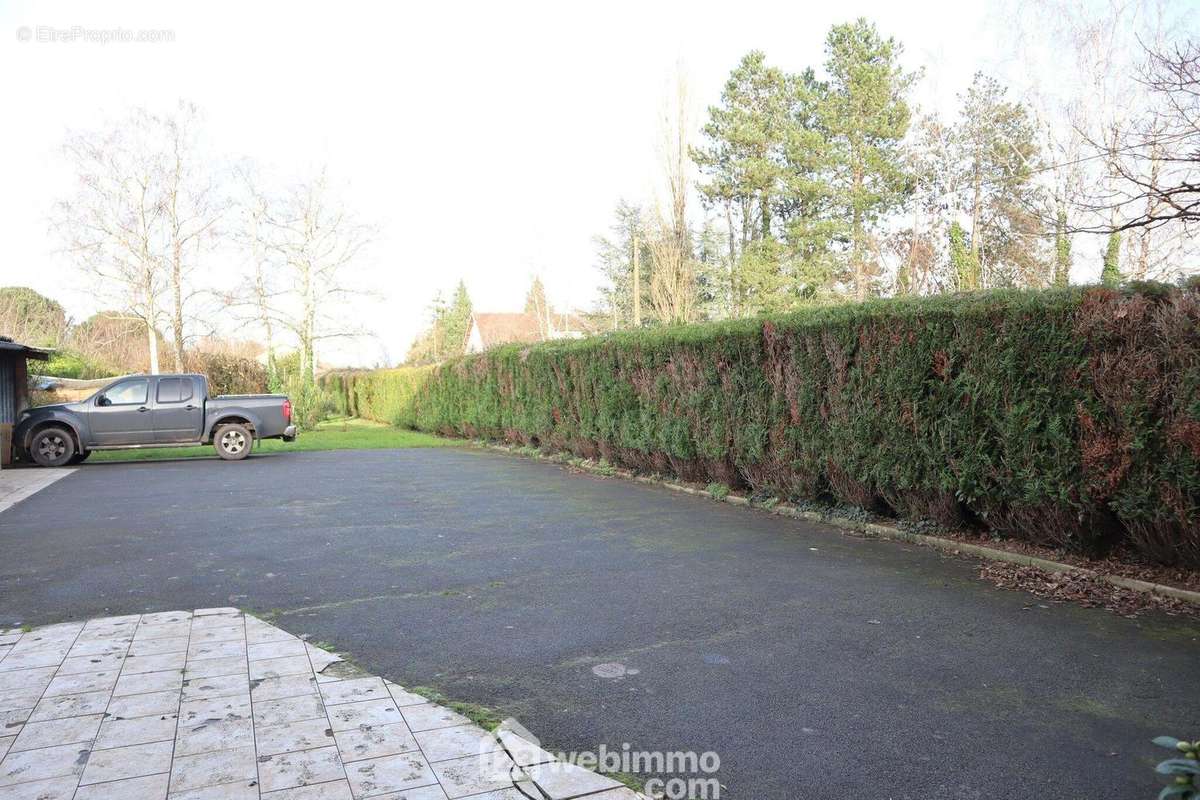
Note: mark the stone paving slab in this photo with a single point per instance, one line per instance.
(213, 704)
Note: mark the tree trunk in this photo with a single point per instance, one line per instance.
(264, 311)
(1062, 247)
(975, 216)
(308, 357)
(734, 297)
(152, 338)
(856, 233)
(637, 285)
(177, 307)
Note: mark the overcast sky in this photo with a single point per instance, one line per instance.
(488, 141)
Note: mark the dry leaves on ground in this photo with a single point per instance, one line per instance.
(1082, 588)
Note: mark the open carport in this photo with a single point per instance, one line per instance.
(815, 664)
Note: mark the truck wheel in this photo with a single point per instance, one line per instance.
(52, 447)
(233, 441)
(80, 457)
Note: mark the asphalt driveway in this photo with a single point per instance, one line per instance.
(815, 664)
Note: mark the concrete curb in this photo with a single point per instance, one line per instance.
(879, 530)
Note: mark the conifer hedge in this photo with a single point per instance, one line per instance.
(1063, 417)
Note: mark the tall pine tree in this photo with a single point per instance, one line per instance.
(864, 115)
(995, 148)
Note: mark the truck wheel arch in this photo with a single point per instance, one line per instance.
(231, 419)
(27, 439)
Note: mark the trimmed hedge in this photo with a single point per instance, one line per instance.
(1063, 417)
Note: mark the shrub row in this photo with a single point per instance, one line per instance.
(1063, 417)
(227, 374)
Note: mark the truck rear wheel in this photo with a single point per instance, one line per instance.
(233, 441)
(52, 447)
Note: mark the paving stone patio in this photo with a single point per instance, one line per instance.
(217, 705)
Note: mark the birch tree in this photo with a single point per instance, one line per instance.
(112, 226)
(191, 210)
(144, 206)
(317, 240)
(258, 295)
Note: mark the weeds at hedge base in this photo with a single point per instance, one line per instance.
(718, 491)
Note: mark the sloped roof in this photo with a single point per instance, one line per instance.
(497, 329)
(506, 328)
(7, 345)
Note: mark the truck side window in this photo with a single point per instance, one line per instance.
(174, 390)
(128, 393)
(168, 390)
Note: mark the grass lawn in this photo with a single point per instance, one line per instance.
(334, 434)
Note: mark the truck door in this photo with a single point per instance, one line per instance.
(178, 412)
(120, 415)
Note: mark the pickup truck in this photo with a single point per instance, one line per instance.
(151, 411)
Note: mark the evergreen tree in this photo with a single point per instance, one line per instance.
(747, 134)
(995, 149)
(447, 332)
(745, 164)
(1062, 250)
(963, 261)
(713, 273)
(31, 318)
(864, 116)
(614, 254)
(455, 321)
(1110, 273)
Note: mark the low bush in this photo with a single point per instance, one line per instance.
(1068, 417)
(69, 364)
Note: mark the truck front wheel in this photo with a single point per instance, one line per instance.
(52, 447)
(233, 441)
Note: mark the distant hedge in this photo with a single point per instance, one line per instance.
(227, 374)
(1064, 417)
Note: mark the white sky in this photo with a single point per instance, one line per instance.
(488, 141)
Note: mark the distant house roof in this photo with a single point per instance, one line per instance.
(8, 346)
(495, 329)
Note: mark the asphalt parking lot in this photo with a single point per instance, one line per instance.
(813, 663)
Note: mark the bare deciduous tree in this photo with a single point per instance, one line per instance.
(1157, 159)
(143, 206)
(314, 239)
(191, 210)
(113, 224)
(258, 294)
(1103, 126)
(672, 279)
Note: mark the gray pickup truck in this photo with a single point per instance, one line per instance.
(151, 411)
